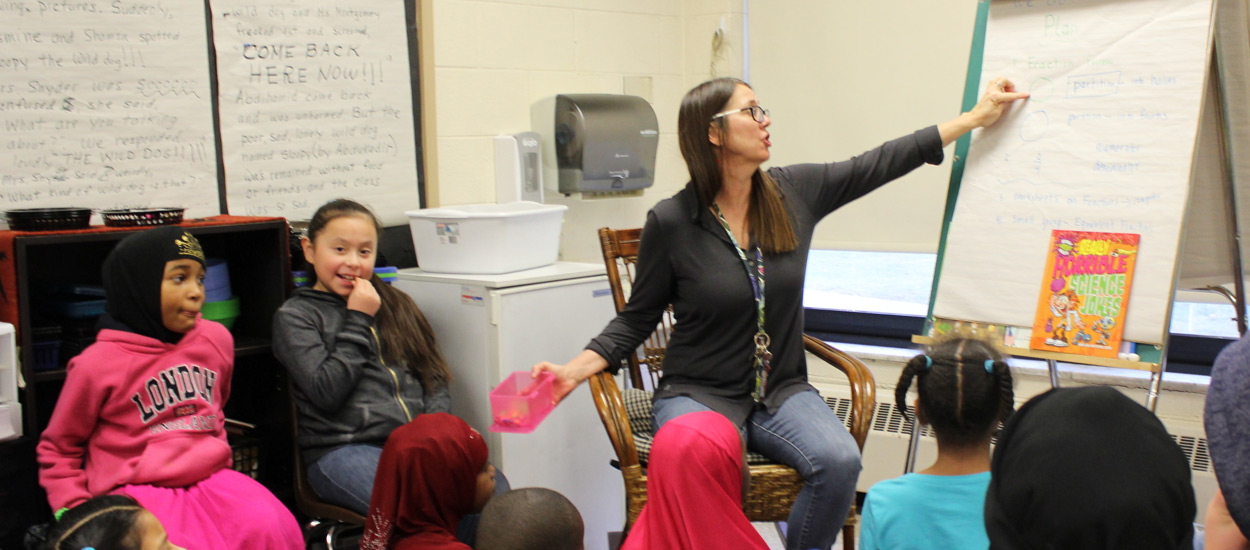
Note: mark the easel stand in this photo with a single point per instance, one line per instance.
(1040, 179)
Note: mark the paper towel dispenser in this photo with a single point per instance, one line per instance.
(600, 142)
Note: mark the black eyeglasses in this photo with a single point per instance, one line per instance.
(758, 113)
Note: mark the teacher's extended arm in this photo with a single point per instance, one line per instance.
(569, 375)
(999, 93)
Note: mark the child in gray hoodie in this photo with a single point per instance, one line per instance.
(361, 357)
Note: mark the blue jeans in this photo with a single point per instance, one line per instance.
(344, 477)
(807, 436)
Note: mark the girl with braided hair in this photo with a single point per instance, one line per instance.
(965, 390)
(109, 522)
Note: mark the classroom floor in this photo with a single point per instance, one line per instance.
(768, 531)
(772, 536)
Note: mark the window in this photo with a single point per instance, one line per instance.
(896, 283)
(881, 298)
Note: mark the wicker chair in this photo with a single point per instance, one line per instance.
(773, 486)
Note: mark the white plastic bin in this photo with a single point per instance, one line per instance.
(487, 238)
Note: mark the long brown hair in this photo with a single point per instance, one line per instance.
(768, 215)
(405, 334)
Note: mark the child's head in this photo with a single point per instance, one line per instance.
(965, 389)
(110, 522)
(485, 487)
(1088, 468)
(154, 282)
(533, 518)
(1226, 416)
(694, 493)
(341, 244)
(432, 472)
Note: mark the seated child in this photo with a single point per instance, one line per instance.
(1227, 419)
(361, 356)
(965, 389)
(1221, 531)
(695, 485)
(432, 472)
(1088, 468)
(140, 413)
(532, 518)
(110, 522)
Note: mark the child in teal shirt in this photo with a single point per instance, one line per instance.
(965, 390)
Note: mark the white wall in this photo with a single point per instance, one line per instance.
(494, 58)
(842, 77)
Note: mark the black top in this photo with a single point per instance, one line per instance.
(685, 258)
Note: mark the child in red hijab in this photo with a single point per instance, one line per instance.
(432, 472)
(694, 489)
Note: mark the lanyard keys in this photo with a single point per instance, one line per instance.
(763, 364)
(763, 357)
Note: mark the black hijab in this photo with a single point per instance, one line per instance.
(1088, 468)
(133, 272)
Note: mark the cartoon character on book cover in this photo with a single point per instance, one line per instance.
(1085, 291)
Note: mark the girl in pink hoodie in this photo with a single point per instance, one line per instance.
(141, 412)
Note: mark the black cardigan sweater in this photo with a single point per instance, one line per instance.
(685, 258)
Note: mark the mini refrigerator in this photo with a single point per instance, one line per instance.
(489, 326)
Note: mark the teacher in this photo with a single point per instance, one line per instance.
(729, 252)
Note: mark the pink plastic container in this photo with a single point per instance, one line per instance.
(520, 403)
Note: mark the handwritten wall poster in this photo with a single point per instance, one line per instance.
(1104, 144)
(316, 103)
(106, 104)
(1085, 290)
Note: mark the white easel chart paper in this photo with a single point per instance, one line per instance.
(1104, 143)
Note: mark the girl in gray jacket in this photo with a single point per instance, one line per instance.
(361, 356)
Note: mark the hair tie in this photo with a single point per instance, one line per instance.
(88, 548)
(928, 363)
(59, 513)
(989, 366)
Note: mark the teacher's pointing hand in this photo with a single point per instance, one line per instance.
(999, 93)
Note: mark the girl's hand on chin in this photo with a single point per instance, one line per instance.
(364, 298)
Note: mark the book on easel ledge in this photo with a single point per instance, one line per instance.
(1085, 290)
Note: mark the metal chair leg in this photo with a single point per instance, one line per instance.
(913, 446)
(330, 535)
(309, 530)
